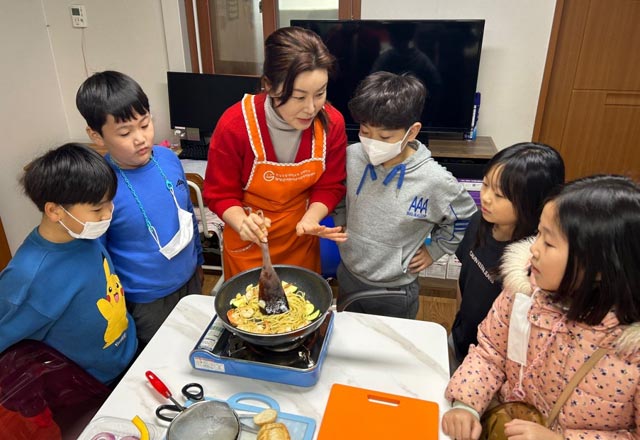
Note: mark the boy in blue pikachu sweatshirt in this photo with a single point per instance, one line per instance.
(60, 287)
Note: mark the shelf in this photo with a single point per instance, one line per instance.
(480, 148)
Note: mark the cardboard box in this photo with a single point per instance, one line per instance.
(453, 268)
(438, 269)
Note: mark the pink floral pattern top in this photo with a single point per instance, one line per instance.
(604, 405)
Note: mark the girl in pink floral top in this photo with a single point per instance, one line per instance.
(574, 290)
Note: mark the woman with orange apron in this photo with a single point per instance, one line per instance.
(281, 152)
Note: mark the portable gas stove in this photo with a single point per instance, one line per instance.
(220, 351)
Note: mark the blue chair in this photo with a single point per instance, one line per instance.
(329, 252)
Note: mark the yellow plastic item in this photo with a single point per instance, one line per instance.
(142, 427)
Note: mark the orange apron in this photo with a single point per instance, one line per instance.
(281, 190)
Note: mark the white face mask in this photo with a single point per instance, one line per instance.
(90, 230)
(182, 238)
(519, 329)
(379, 151)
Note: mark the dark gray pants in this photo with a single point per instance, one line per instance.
(396, 306)
(150, 316)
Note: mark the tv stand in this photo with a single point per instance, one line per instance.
(465, 159)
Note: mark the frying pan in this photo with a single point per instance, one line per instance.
(316, 289)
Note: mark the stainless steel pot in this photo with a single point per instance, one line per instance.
(208, 419)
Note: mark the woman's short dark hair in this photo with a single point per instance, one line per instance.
(110, 93)
(600, 219)
(290, 51)
(388, 100)
(68, 175)
(528, 173)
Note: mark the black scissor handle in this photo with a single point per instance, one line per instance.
(193, 391)
(167, 412)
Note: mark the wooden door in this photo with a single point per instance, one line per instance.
(589, 106)
(5, 252)
(203, 34)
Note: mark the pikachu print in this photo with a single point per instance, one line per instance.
(113, 308)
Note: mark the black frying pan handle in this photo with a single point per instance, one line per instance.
(345, 300)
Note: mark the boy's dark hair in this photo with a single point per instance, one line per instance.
(68, 175)
(529, 172)
(600, 219)
(110, 93)
(290, 51)
(388, 100)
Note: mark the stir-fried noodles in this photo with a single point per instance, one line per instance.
(245, 313)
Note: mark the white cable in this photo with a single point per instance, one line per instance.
(195, 22)
(83, 49)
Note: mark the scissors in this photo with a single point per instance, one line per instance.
(195, 393)
(192, 391)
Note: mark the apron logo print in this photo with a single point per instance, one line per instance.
(302, 175)
(269, 176)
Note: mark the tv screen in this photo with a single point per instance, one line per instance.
(443, 54)
(197, 100)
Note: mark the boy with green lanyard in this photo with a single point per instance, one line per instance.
(153, 238)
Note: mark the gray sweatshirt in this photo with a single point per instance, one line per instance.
(388, 214)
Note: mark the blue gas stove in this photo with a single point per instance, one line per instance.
(221, 351)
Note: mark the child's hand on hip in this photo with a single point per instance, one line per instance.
(421, 260)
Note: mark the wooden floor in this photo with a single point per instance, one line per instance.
(437, 298)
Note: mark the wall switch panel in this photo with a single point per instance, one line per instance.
(78, 16)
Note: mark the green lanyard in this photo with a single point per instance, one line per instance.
(168, 184)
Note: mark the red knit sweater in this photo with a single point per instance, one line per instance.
(231, 159)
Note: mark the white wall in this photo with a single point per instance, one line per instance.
(516, 37)
(123, 35)
(32, 117)
(44, 65)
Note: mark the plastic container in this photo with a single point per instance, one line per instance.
(120, 428)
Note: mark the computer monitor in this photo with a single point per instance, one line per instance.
(443, 54)
(197, 100)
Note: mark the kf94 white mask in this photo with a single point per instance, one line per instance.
(90, 230)
(379, 151)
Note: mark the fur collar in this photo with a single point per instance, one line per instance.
(514, 267)
(515, 273)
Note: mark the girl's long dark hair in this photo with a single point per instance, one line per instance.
(528, 172)
(600, 219)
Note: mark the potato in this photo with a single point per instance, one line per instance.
(273, 431)
(267, 416)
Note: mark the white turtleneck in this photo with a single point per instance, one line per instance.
(284, 137)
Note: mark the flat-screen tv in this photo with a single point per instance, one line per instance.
(197, 100)
(444, 54)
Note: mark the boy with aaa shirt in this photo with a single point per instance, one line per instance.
(397, 196)
(153, 238)
(60, 287)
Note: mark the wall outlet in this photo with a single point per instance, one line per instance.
(78, 16)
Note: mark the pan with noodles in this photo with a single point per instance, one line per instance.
(247, 312)
(316, 291)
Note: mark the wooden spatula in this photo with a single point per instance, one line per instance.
(271, 296)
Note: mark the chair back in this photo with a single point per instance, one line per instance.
(329, 252)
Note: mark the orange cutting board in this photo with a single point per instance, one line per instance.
(357, 413)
